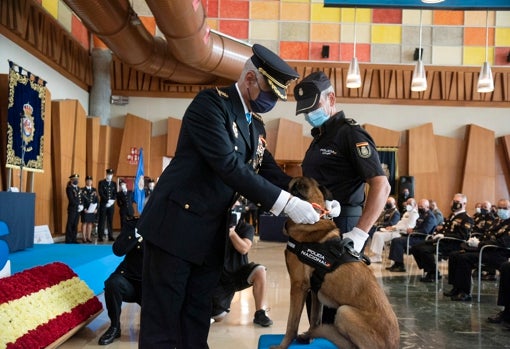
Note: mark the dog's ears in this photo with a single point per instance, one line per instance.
(326, 193)
(296, 188)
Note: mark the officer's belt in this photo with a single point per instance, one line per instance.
(351, 211)
(324, 257)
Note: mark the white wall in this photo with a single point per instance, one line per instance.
(448, 121)
(59, 86)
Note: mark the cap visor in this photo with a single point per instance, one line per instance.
(306, 105)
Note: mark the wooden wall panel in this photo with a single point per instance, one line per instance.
(93, 141)
(478, 181)
(158, 151)
(423, 162)
(383, 137)
(173, 129)
(136, 134)
(286, 146)
(450, 157)
(502, 181)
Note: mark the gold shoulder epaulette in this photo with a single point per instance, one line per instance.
(221, 93)
(258, 117)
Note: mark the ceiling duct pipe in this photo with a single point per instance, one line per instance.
(191, 41)
(112, 22)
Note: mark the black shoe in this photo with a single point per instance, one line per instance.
(109, 336)
(500, 317)
(397, 268)
(262, 319)
(453, 292)
(462, 297)
(111, 238)
(100, 239)
(430, 277)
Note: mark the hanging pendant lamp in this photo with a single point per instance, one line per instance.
(353, 79)
(419, 81)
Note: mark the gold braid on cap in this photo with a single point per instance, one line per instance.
(272, 82)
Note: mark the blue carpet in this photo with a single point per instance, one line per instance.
(92, 263)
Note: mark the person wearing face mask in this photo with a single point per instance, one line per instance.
(390, 216)
(425, 225)
(343, 158)
(88, 218)
(125, 203)
(107, 193)
(150, 188)
(380, 237)
(483, 219)
(461, 263)
(221, 155)
(458, 225)
(437, 212)
(74, 207)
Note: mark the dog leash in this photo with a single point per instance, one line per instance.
(320, 210)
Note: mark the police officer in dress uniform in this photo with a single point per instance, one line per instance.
(461, 263)
(125, 202)
(389, 217)
(458, 225)
(88, 219)
(343, 158)
(125, 283)
(74, 207)
(107, 193)
(221, 153)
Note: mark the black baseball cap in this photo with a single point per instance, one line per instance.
(277, 72)
(308, 91)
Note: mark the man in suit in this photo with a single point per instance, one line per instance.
(221, 153)
(125, 202)
(125, 283)
(107, 193)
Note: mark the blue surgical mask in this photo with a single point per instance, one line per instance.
(264, 102)
(503, 213)
(317, 117)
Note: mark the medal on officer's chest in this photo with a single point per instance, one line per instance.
(235, 130)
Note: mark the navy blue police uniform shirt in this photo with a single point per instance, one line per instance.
(342, 156)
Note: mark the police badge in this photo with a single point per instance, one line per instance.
(235, 130)
(363, 149)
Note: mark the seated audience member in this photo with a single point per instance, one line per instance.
(125, 283)
(239, 274)
(386, 234)
(461, 263)
(483, 220)
(425, 224)
(437, 212)
(389, 216)
(503, 296)
(458, 225)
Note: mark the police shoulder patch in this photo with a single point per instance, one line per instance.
(351, 121)
(363, 149)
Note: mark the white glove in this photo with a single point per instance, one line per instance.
(110, 202)
(333, 207)
(301, 211)
(437, 236)
(358, 236)
(80, 208)
(473, 242)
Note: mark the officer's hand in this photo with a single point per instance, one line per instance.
(358, 236)
(438, 236)
(80, 208)
(333, 207)
(301, 211)
(473, 241)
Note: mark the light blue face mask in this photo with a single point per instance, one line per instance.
(317, 117)
(503, 213)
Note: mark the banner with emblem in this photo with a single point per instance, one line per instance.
(25, 120)
(388, 158)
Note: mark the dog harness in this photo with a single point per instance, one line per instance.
(324, 257)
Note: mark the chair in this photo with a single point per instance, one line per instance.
(437, 252)
(5, 263)
(480, 266)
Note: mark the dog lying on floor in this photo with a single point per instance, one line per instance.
(364, 317)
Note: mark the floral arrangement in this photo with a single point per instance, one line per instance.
(42, 304)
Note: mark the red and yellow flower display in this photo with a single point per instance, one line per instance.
(42, 304)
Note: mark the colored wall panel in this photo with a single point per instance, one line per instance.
(294, 31)
(295, 12)
(502, 37)
(362, 52)
(447, 36)
(316, 51)
(362, 15)
(363, 33)
(265, 10)
(477, 36)
(149, 23)
(80, 33)
(211, 7)
(448, 17)
(477, 18)
(387, 16)
(65, 16)
(447, 55)
(51, 6)
(501, 55)
(237, 29)
(234, 9)
(385, 54)
(325, 32)
(264, 30)
(325, 14)
(294, 50)
(475, 55)
(386, 34)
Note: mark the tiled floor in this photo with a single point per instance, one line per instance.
(427, 319)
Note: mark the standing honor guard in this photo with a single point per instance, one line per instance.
(107, 193)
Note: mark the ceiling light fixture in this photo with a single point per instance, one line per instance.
(485, 80)
(419, 81)
(353, 75)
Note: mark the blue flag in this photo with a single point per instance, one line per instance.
(139, 186)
